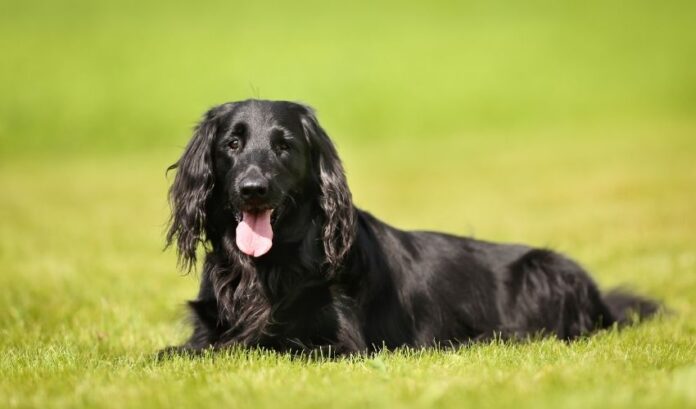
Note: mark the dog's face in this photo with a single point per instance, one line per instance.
(261, 162)
(254, 161)
(261, 155)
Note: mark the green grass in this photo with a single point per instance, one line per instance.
(569, 125)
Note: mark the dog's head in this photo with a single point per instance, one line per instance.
(253, 164)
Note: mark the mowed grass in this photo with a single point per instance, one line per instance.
(88, 296)
(566, 124)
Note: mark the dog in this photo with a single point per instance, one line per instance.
(292, 265)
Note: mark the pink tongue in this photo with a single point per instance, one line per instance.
(254, 233)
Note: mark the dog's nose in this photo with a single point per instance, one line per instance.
(255, 188)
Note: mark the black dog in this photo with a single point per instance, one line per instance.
(292, 265)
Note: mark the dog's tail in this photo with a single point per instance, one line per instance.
(627, 307)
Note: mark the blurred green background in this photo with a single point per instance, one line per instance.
(569, 124)
(132, 75)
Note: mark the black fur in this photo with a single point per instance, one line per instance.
(337, 277)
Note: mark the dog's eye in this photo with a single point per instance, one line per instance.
(282, 146)
(234, 144)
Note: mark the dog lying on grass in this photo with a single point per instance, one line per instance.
(292, 265)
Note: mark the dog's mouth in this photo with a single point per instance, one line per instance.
(254, 234)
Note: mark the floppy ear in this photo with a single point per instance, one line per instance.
(338, 232)
(189, 193)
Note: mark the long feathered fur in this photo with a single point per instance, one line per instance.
(335, 197)
(188, 195)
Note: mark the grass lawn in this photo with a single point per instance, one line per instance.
(568, 125)
(88, 295)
